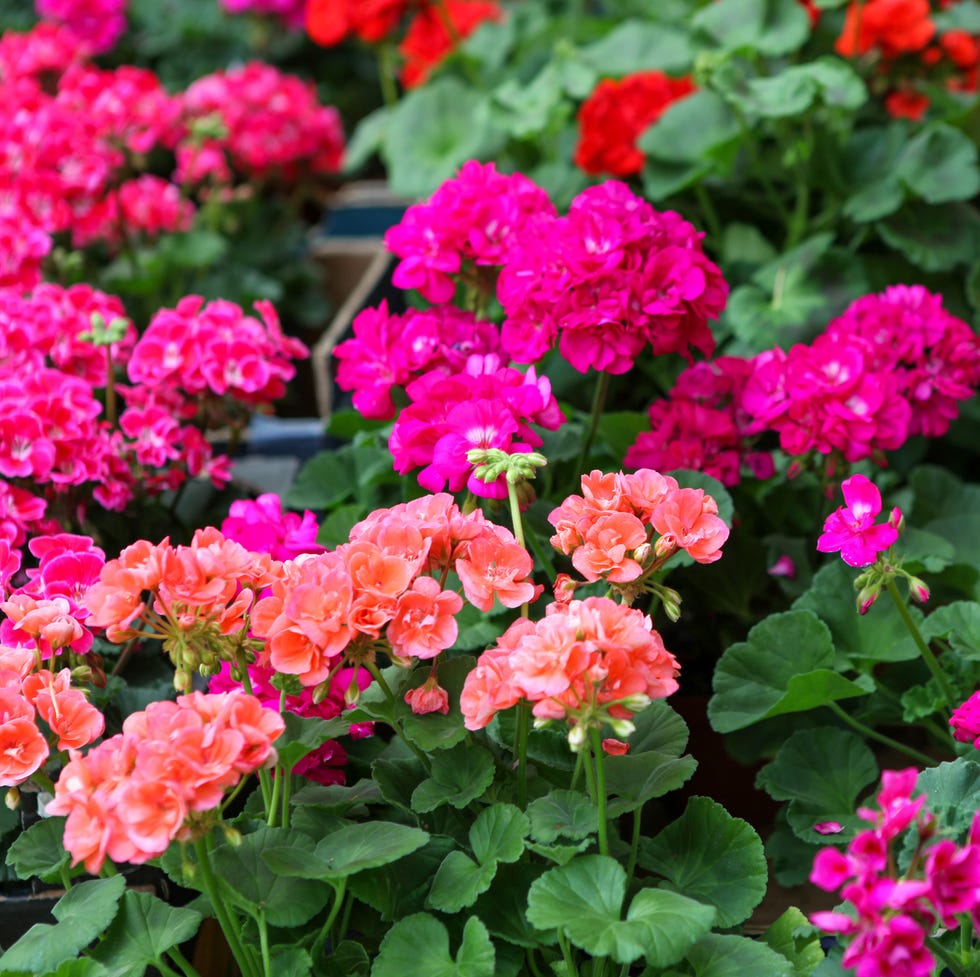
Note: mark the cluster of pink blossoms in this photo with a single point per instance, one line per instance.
(586, 663)
(329, 609)
(484, 406)
(701, 426)
(965, 721)
(97, 24)
(893, 914)
(607, 280)
(468, 227)
(134, 793)
(389, 351)
(608, 530)
(273, 127)
(261, 526)
(28, 694)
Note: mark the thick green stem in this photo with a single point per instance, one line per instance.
(952, 963)
(182, 962)
(927, 656)
(264, 944)
(340, 890)
(386, 76)
(229, 925)
(598, 402)
(600, 788)
(873, 734)
(566, 951)
(515, 517)
(634, 846)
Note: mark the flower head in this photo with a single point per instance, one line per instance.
(851, 529)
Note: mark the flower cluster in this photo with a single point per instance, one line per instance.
(608, 529)
(329, 22)
(214, 351)
(27, 694)
(851, 529)
(606, 280)
(898, 34)
(97, 24)
(585, 663)
(468, 227)
(965, 721)
(617, 112)
(389, 351)
(484, 406)
(894, 914)
(269, 126)
(328, 609)
(197, 599)
(701, 427)
(261, 526)
(134, 793)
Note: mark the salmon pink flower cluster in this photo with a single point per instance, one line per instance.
(273, 127)
(388, 351)
(891, 915)
(617, 113)
(162, 777)
(29, 694)
(608, 530)
(607, 280)
(586, 663)
(701, 426)
(385, 589)
(466, 228)
(484, 406)
(197, 599)
(97, 24)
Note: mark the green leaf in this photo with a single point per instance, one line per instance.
(954, 793)
(756, 679)
(290, 961)
(636, 778)
(304, 734)
(337, 798)
(562, 814)
(419, 945)
(640, 45)
(725, 955)
(583, 900)
(503, 908)
(82, 913)
(559, 854)
(256, 886)
(397, 779)
(366, 139)
(822, 772)
(530, 109)
(927, 550)
(959, 623)
(459, 882)
(498, 834)
(432, 131)
(939, 164)
(659, 727)
(792, 937)
(143, 930)
(40, 850)
(332, 477)
(793, 90)
(769, 27)
(347, 959)
(349, 850)
(691, 130)
(619, 429)
(934, 238)
(712, 857)
(879, 636)
(459, 776)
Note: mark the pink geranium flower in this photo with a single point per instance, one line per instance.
(852, 531)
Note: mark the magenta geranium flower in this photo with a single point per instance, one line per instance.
(852, 530)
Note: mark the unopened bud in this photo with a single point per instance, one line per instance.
(321, 691)
(577, 736)
(896, 519)
(866, 597)
(352, 694)
(232, 835)
(12, 798)
(183, 680)
(918, 590)
(665, 546)
(642, 553)
(635, 703)
(622, 727)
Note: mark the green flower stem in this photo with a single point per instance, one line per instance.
(264, 943)
(229, 925)
(515, 517)
(709, 213)
(165, 969)
(880, 737)
(634, 846)
(386, 76)
(952, 963)
(598, 402)
(577, 772)
(182, 962)
(340, 890)
(395, 724)
(927, 656)
(532, 963)
(595, 777)
(520, 750)
(566, 951)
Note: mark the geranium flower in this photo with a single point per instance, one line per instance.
(852, 531)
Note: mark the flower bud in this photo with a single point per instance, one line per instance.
(577, 736)
(183, 681)
(12, 798)
(896, 519)
(622, 727)
(918, 590)
(642, 553)
(321, 691)
(635, 703)
(232, 835)
(352, 694)
(664, 547)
